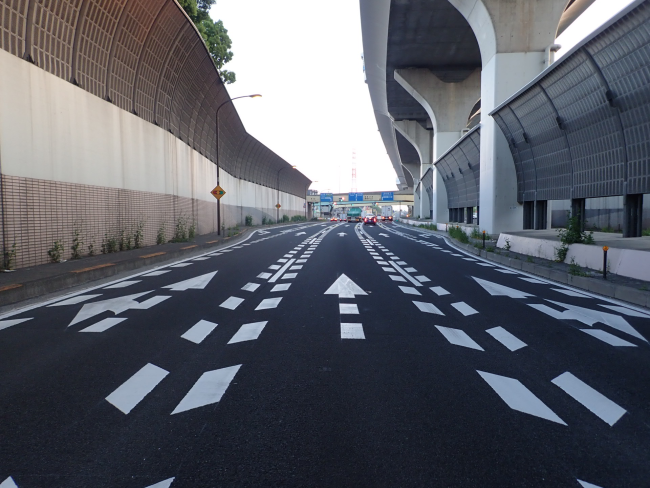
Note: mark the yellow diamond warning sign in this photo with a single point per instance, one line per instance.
(218, 192)
(277, 205)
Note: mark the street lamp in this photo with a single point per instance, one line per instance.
(217, 122)
(277, 207)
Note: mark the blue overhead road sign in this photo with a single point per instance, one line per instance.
(387, 196)
(356, 197)
(326, 197)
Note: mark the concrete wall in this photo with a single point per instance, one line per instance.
(70, 160)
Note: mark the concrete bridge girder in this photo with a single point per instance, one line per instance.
(512, 36)
(420, 138)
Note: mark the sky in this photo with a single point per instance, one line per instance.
(304, 57)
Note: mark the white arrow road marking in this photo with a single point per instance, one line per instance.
(115, 305)
(344, 287)
(626, 311)
(232, 303)
(463, 308)
(518, 397)
(199, 331)
(495, 289)
(248, 332)
(75, 300)
(8, 483)
(352, 331)
(269, 303)
(4, 324)
(196, 283)
(122, 284)
(610, 339)
(348, 308)
(506, 338)
(428, 307)
(608, 411)
(587, 485)
(163, 484)
(458, 337)
(250, 286)
(131, 392)
(103, 325)
(439, 290)
(262, 232)
(208, 389)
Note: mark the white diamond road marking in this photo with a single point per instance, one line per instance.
(208, 389)
(411, 270)
(264, 276)
(8, 483)
(377, 258)
(570, 293)
(352, 331)
(409, 290)
(232, 303)
(274, 266)
(389, 270)
(533, 280)
(402, 263)
(439, 290)
(397, 278)
(157, 273)
(269, 303)
(248, 332)
(584, 484)
(4, 324)
(463, 308)
(608, 338)
(601, 406)
(103, 325)
(301, 261)
(283, 269)
(74, 300)
(133, 390)
(348, 308)
(458, 337)
(250, 286)
(382, 263)
(281, 287)
(428, 308)
(199, 331)
(506, 338)
(168, 482)
(297, 266)
(180, 265)
(422, 279)
(122, 284)
(289, 276)
(518, 397)
(282, 260)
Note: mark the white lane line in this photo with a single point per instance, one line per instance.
(282, 260)
(382, 263)
(377, 258)
(75, 300)
(518, 397)
(409, 290)
(506, 338)
(269, 303)
(301, 261)
(405, 274)
(199, 331)
(444, 250)
(8, 483)
(122, 284)
(428, 307)
(352, 331)
(250, 286)
(168, 482)
(397, 278)
(389, 270)
(289, 276)
(180, 265)
(485, 264)
(157, 273)
(348, 308)
(584, 484)
(103, 325)
(469, 259)
(232, 303)
(5, 324)
(264, 276)
(463, 308)
(439, 290)
(411, 270)
(296, 266)
(457, 255)
(277, 275)
(422, 279)
(626, 311)
(570, 293)
(248, 332)
(533, 280)
(274, 266)
(608, 338)
(601, 406)
(505, 271)
(458, 337)
(133, 390)
(208, 389)
(402, 263)
(281, 287)
(201, 259)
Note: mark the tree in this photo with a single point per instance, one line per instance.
(214, 34)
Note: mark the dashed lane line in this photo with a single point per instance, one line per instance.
(506, 338)
(133, 391)
(458, 337)
(199, 331)
(463, 308)
(269, 303)
(208, 389)
(248, 332)
(439, 290)
(232, 303)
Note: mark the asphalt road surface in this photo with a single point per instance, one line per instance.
(326, 355)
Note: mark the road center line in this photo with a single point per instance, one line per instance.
(277, 275)
(405, 274)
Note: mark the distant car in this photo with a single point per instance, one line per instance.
(370, 220)
(333, 219)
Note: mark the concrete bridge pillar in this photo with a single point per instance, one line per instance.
(448, 106)
(420, 138)
(512, 36)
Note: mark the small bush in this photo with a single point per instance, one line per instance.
(645, 232)
(507, 246)
(160, 236)
(76, 244)
(458, 234)
(285, 218)
(428, 226)
(529, 259)
(109, 244)
(561, 252)
(490, 249)
(265, 221)
(9, 257)
(249, 220)
(180, 229)
(298, 218)
(191, 230)
(91, 249)
(138, 236)
(575, 269)
(55, 252)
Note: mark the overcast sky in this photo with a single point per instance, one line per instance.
(304, 57)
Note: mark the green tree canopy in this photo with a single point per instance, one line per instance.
(214, 34)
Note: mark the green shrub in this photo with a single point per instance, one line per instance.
(249, 220)
(9, 257)
(76, 244)
(285, 218)
(55, 252)
(428, 226)
(265, 221)
(160, 236)
(298, 218)
(458, 234)
(138, 236)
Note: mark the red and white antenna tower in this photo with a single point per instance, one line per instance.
(353, 189)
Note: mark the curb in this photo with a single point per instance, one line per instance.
(610, 290)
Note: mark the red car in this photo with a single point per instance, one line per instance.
(370, 220)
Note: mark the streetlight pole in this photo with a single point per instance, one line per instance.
(277, 207)
(218, 167)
